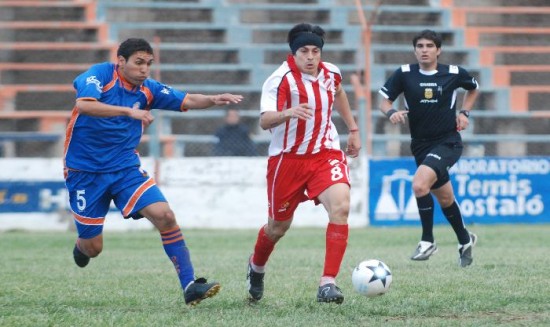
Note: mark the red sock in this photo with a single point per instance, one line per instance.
(262, 250)
(336, 243)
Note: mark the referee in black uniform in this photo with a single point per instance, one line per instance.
(430, 90)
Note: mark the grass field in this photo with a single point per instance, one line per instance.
(132, 283)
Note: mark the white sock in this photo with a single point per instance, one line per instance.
(327, 280)
(258, 269)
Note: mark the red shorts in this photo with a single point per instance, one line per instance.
(292, 179)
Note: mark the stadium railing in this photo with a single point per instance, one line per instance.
(177, 144)
(245, 40)
(47, 132)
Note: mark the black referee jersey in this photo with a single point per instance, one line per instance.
(430, 97)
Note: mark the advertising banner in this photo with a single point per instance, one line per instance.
(39, 196)
(488, 190)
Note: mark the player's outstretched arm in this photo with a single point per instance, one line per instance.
(201, 101)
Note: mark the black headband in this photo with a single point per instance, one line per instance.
(306, 38)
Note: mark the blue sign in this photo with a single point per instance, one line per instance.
(32, 196)
(488, 190)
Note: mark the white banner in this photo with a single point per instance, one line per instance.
(212, 192)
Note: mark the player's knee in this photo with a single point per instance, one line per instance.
(275, 233)
(420, 189)
(166, 220)
(92, 248)
(339, 213)
(445, 201)
(95, 251)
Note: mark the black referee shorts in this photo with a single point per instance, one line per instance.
(439, 154)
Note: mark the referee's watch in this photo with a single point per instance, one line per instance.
(465, 113)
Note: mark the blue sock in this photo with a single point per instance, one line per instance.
(177, 251)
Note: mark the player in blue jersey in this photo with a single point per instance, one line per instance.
(113, 103)
(430, 99)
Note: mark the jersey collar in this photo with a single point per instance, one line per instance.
(295, 70)
(125, 84)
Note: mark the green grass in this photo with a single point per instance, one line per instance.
(132, 283)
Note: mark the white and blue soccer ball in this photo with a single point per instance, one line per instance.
(371, 278)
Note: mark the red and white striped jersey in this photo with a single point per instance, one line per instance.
(287, 87)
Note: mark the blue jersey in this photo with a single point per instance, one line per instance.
(108, 144)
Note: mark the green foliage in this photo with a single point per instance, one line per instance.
(132, 283)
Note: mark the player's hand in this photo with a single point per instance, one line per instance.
(144, 115)
(226, 98)
(302, 111)
(462, 122)
(398, 117)
(354, 144)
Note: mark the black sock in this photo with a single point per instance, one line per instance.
(455, 219)
(426, 210)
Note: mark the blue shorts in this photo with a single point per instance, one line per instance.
(90, 195)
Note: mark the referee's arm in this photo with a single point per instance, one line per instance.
(470, 97)
(395, 116)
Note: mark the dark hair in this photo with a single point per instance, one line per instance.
(133, 45)
(305, 27)
(428, 35)
(297, 30)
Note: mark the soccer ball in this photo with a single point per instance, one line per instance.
(371, 278)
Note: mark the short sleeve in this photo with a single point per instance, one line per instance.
(90, 83)
(165, 97)
(393, 86)
(273, 92)
(466, 81)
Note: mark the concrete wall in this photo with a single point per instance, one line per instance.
(204, 193)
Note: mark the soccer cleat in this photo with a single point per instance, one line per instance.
(255, 281)
(330, 293)
(424, 251)
(80, 258)
(465, 251)
(199, 290)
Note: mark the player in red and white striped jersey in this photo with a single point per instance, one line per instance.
(305, 160)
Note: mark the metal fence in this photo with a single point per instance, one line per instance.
(193, 134)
